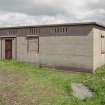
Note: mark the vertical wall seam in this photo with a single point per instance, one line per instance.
(1, 48)
(93, 50)
(16, 48)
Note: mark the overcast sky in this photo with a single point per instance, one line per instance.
(31, 12)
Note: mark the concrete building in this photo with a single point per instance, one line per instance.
(78, 46)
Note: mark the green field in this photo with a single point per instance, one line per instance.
(25, 84)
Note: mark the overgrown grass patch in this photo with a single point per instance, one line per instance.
(42, 86)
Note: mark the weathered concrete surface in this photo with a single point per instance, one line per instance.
(80, 91)
(67, 51)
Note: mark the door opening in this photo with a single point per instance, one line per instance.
(8, 49)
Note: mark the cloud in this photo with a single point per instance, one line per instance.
(34, 7)
(29, 12)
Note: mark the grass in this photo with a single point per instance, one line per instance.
(25, 84)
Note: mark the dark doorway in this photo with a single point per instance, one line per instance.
(8, 49)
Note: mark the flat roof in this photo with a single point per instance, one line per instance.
(52, 25)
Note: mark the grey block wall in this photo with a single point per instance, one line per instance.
(23, 54)
(63, 51)
(67, 52)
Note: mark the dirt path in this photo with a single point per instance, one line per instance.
(11, 83)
